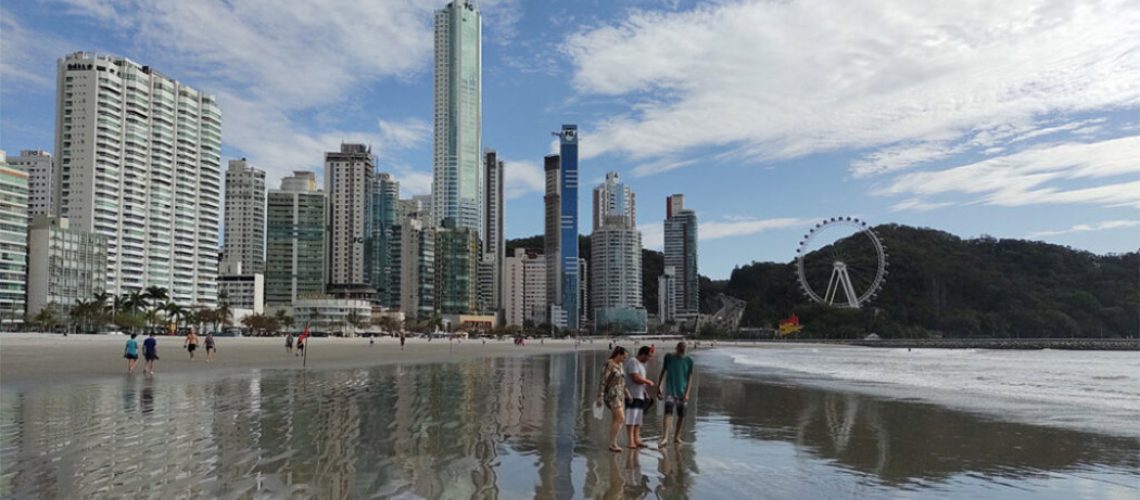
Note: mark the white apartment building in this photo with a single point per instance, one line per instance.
(614, 197)
(524, 287)
(348, 175)
(244, 240)
(40, 184)
(139, 161)
(244, 291)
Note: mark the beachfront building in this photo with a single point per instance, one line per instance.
(139, 161)
(494, 247)
(349, 174)
(614, 197)
(295, 240)
(457, 170)
(666, 295)
(41, 187)
(456, 261)
(13, 242)
(524, 288)
(334, 316)
(568, 224)
(240, 289)
(552, 247)
(417, 269)
(381, 247)
(65, 265)
(244, 240)
(615, 276)
(681, 254)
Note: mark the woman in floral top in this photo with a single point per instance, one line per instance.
(613, 393)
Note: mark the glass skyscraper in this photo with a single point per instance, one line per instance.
(457, 170)
(568, 140)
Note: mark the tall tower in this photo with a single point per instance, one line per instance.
(139, 161)
(493, 250)
(552, 248)
(382, 255)
(244, 240)
(349, 174)
(13, 242)
(681, 255)
(38, 165)
(568, 149)
(613, 197)
(296, 240)
(457, 173)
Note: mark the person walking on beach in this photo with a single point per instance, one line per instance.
(637, 385)
(612, 393)
(402, 338)
(191, 343)
(676, 374)
(300, 345)
(211, 349)
(150, 353)
(131, 352)
(289, 343)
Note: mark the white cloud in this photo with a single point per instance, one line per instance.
(1031, 176)
(917, 205)
(28, 56)
(653, 235)
(718, 229)
(1084, 228)
(768, 80)
(404, 134)
(522, 178)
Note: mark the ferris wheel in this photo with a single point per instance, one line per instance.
(855, 262)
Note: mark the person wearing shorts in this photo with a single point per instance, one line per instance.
(637, 384)
(674, 385)
(288, 343)
(131, 353)
(612, 393)
(150, 353)
(211, 348)
(191, 343)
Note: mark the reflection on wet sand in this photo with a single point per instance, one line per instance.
(510, 427)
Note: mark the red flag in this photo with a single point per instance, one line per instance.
(305, 334)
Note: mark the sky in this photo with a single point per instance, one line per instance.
(1016, 119)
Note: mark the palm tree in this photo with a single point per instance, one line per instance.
(135, 301)
(175, 313)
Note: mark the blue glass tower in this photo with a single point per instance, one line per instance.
(568, 140)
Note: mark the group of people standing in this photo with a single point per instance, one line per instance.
(150, 350)
(627, 391)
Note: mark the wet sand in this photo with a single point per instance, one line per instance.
(30, 358)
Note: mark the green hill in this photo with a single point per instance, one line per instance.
(939, 284)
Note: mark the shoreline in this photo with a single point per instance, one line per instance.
(1071, 344)
(33, 359)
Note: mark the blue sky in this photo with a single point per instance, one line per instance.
(1015, 119)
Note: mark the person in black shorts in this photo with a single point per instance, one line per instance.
(150, 353)
(191, 343)
(211, 349)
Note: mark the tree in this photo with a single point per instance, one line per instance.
(47, 319)
(387, 324)
(261, 323)
(175, 313)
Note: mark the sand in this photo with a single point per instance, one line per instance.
(31, 358)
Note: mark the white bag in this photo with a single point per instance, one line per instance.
(599, 409)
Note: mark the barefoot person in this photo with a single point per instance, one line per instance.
(289, 343)
(211, 349)
(612, 393)
(677, 373)
(131, 352)
(191, 343)
(637, 385)
(150, 353)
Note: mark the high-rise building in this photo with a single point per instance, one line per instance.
(349, 175)
(41, 188)
(493, 251)
(681, 254)
(552, 248)
(568, 154)
(456, 261)
(13, 242)
(139, 161)
(244, 240)
(457, 173)
(417, 269)
(667, 295)
(615, 277)
(524, 288)
(381, 246)
(65, 265)
(295, 264)
(614, 197)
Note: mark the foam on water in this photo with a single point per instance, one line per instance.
(1088, 390)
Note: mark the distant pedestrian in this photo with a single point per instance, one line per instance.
(637, 386)
(674, 385)
(371, 340)
(191, 343)
(300, 345)
(131, 352)
(150, 353)
(402, 338)
(211, 349)
(289, 343)
(612, 393)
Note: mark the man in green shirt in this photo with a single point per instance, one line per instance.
(677, 373)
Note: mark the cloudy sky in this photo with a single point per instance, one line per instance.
(1014, 118)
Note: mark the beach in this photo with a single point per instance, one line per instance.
(499, 421)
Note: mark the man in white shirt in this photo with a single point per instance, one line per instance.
(637, 399)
